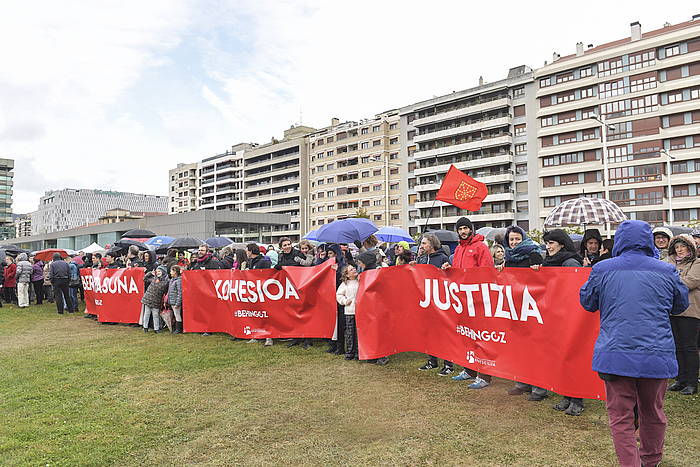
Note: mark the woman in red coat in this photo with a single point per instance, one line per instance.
(10, 280)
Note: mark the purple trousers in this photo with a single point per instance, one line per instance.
(648, 395)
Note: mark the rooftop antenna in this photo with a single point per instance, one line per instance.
(300, 116)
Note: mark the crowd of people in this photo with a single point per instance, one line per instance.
(26, 279)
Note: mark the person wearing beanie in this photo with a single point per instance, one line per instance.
(471, 252)
(153, 299)
(682, 253)
(402, 253)
(24, 278)
(590, 246)
(662, 237)
(695, 233)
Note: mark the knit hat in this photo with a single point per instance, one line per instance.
(368, 258)
(561, 237)
(403, 244)
(662, 231)
(463, 221)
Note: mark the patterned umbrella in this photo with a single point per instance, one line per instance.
(585, 211)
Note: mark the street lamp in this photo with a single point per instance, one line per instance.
(606, 176)
(386, 181)
(670, 187)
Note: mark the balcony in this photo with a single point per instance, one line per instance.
(474, 217)
(477, 126)
(465, 165)
(468, 110)
(465, 147)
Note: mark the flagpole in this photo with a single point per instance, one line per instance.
(430, 213)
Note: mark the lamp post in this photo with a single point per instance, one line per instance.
(386, 182)
(670, 187)
(606, 176)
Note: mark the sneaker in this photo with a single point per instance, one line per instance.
(689, 390)
(562, 405)
(574, 409)
(145, 329)
(252, 341)
(677, 386)
(446, 370)
(478, 384)
(268, 342)
(463, 376)
(205, 334)
(382, 361)
(428, 366)
(534, 397)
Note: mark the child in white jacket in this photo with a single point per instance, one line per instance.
(346, 296)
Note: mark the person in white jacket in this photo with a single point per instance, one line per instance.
(346, 295)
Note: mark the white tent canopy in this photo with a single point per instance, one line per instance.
(94, 248)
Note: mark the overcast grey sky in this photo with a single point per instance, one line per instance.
(110, 94)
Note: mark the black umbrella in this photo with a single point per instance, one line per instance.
(138, 233)
(12, 249)
(125, 243)
(445, 235)
(163, 249)
(186, 243)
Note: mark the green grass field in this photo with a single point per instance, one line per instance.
(74, 392)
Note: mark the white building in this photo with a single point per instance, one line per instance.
(182, 188)
(70, 208)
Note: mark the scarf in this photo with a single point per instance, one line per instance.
(559, 258)
(521, 251)
(203, 259)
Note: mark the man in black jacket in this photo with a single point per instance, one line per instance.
(433, 254)
(288, 255)
(204, 260)
(255, 259)
(59, 275)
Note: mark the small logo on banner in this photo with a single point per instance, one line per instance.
(472, 358)
(247, 331)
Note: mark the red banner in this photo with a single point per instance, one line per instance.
(114, 295)
(519, 324)
(294, 302)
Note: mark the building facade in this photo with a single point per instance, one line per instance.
(644, 93)
(221, 180)
(70, 208)
(275, 181)
(23, 225)
(355, 167)
(483, 131)
(182, 188)
(7, 228)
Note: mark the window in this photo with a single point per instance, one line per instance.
(520, 130)
(364, 174)
(610, 67)
(377, 202)
(562, 159)
(565, 77)
(377, 217)
(394, 171)
(375, 128)
(329, 154)
(642, 59)
(395, 216)
(394, 201)
(365, 145)
(588, 71)
(329, 180)
(519, 92)
(376, 172)
(640, 173)
(547, 121)
(641, 84)
(551, 201)
(521, 169)
(365, 189)
(364, 131)
(611, 89)
(673, 50)
(330, 194)
(393, 126)
(393, 156)
(376, 142)
(377, 187)
(394, 186)
(394, 141)
(519, 111)
(544, 82)
(321, 181)
(521, 148)
(364, 159)
(561, 98)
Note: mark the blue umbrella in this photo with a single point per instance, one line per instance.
(311, 235)
(393, 235)
(576, 237)
(218, 242)
(159, 240)
(346, 230)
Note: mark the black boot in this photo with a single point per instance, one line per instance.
(293, 343)
(178, 327)
(332, 347)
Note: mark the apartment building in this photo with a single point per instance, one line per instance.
(275, 182)
(484, 131)
(355, 166)
(182, 188)
(23, 225)
(70, 208)
(644, 92)
(221, 180)
(7, 228)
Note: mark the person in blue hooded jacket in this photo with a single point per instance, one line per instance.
(635, 352)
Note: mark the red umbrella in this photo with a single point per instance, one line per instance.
(47, 255)
(140, 240)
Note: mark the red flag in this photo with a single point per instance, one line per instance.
(459, 189)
